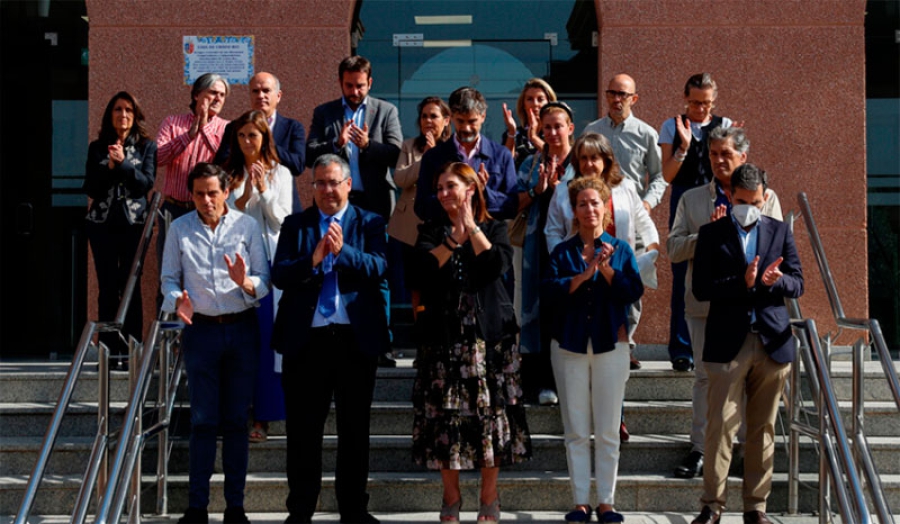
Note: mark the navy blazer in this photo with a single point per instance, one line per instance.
(375, 161)
(361, 268)
(501, 192)
(290, 143)
(719, 268)
(597, 309)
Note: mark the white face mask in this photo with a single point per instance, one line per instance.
(745, 214)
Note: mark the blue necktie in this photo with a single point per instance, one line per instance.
(328, 298)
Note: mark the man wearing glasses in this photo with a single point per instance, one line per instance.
(330, 328)
(634, 143)
(684, 141)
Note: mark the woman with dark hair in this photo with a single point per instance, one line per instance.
(525, 140)
(434, 127)
(592, 279)
(119, 173)
(262, 188)
(467, 398)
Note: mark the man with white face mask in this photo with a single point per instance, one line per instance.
(728, 149)
(745, 265)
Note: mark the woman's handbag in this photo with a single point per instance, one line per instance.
(517, 227)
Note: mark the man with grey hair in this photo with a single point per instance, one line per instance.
(491, 161)
(288, 134)
(331, 327)
(184, 141)
(728, 149)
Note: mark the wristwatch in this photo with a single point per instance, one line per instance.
(474, 231)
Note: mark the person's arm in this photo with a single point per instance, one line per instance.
(257, 271)
(500, 191)
(385, 151)
(319, 143)
(171, 140)
(557, 228)
(98, 177)
(713, 276)
(139, 172)
(292, 267)
(406, 173)
(426, 205)
(672, 159)
(170, 273)
(293, 154)
(790, 284)
(212, 132)
(681, 243)
(277, 201)
(643, 224)
(371, 261)
(656, 184)
(625, 282)
(492, 263)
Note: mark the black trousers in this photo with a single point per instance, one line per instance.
(332, 366)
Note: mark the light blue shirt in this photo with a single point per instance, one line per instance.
(749, 240)
(359, 118)
(194, 260)
(340, 315)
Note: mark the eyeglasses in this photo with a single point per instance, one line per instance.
(618, 94)
(700, 103)
(321, 185)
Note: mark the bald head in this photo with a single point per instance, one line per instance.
(265, 92)
(620, 97)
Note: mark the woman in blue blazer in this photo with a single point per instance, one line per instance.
(592, 279)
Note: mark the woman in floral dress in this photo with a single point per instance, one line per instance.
(467, 395)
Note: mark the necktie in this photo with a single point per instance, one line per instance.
(329, 296)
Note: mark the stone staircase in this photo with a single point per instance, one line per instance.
(657, 411)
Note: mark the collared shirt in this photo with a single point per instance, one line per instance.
(272, 120)
(359, 118)
(634, 143)
(340, 315)
(469, 156)
(194, 260)
(721, 197)
(749, 241)
(179, 153)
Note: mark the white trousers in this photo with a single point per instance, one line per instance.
(591, 386)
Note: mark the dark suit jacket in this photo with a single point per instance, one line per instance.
(719, 268)
(501, 191)
(361, 268)
(376, 161)
(290, 143)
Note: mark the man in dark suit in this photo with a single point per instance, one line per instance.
(364, 131)
(331, 326)
(492, 161)
(745, 265)
(289, 134)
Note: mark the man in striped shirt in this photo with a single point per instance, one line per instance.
(184, 141)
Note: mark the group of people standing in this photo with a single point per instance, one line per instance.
(525, 260)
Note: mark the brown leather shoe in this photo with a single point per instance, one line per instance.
(707, 516)
(756, 517)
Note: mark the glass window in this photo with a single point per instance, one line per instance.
(421, 48)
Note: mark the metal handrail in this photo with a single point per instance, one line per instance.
(830, 431)
(96, 473)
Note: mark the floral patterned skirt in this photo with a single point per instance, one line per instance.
(468, 406)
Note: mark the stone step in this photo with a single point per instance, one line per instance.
(511, 515)
(421, 492)
(42, 382)
(657, 454)
(395, 418)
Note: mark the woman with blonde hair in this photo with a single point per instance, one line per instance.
(525, 139)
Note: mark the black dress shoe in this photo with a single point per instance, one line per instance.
(691, 467)
(235, 515)
(756, 517)
(706, 516)
(194, 516)
(683, 364)
(386, 360)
